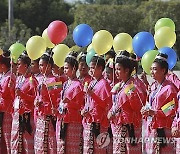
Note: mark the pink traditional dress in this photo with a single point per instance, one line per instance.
(38, 77)
(47, 96)
(7, 88)
(69, 123)
(95, 121)
(126, 121)
(163, 100)
(174, 79)
(176, 123)
(22, 135)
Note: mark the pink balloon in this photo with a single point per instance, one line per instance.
(57, 31)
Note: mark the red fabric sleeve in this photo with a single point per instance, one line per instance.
(78, 101)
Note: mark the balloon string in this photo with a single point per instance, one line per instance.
(113, 75)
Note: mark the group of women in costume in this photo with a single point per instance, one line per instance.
(101, 109)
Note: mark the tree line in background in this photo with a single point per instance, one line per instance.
(31, 17)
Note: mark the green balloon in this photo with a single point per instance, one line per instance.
(16, 50)
(89, 56)
(164, 22)
(147, 60)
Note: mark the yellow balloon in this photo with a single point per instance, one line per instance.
(123, 41)
(35, 47)
(164, 37)
(60, 53)
(102, 42)
(1, 51)
(89, 47)
(49, 44)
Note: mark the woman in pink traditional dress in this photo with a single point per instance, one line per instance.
(83, 68)
(46, 103)
(174, 79)
(36, 73)
(22, 135)
(69, 123)
(176, 126)
(161, 110)
(97, 104)
(7, 88)
(125, 113)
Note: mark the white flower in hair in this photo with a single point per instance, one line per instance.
(160, 57)
(46, 53)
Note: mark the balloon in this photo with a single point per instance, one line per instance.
(35, 47)
(147, 60)
(89, 47)
(57, 31)
(1, 51)
(82, 35)
(165, 37)
(164, 22)
(122, 41)
(172, 56)
(142, 42)
(45, 36)
(102, 42)
(60, 53)
(16, 50)
(89, 56)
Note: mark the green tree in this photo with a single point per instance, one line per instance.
(3, 11)
(38, 14)
(20, 32)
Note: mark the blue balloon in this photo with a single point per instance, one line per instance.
(82, 35)
(172, 56)
(143, 42)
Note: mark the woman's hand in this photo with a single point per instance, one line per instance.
(65, 100)
(109, 115)
(89, 92)
(175, 132)
(84, 112)
(18, 92)
(147, 112)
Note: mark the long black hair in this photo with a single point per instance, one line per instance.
(134, 61)
(5, 59)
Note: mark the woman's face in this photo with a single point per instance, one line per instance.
(83, 68)
(34, 67)
(68, 70)
(109, 73)
(121, 73)
(157, 72)
(94, 70)
(44, 67)
(21, 67)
